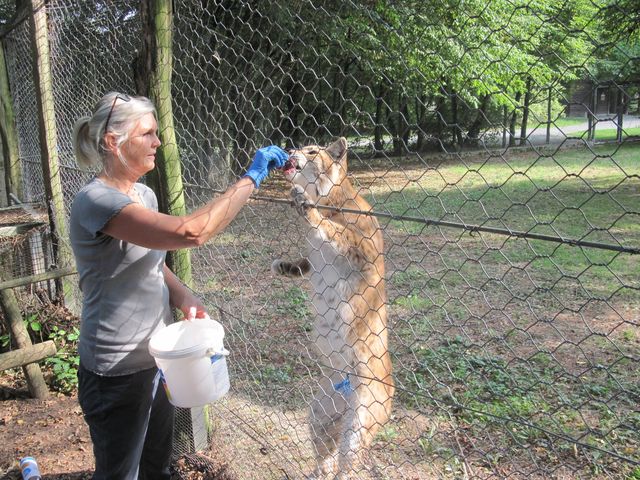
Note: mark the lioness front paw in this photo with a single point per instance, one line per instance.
(300, 199)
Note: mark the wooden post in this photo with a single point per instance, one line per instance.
(35, 379)
(49, 138)
(40, 277)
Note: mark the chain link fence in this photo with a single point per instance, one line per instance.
(497, 145)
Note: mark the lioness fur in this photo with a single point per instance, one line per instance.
(345, 266)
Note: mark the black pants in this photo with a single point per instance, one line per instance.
(131, 424)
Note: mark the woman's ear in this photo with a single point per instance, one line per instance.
(111, 142)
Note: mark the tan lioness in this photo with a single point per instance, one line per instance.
(345, 266)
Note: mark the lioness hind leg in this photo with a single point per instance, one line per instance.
(368, 410)
(326, 423)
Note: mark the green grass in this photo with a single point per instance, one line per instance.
(293, 303)
(611, 133)
(530, 398)
(568, 121)
(601, 134)
(576, 194)
(528, 342)
(606, 134)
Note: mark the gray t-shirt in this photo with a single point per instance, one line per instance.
(125, 297)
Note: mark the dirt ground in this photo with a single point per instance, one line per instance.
(55, 434)
(51, 430)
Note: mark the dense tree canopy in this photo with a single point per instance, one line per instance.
(417, 73)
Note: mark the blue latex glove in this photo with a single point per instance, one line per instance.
(265, 160)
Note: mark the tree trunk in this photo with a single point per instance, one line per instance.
(314, 122)
(525, 114)
(398, 126)
(591, 132)
(334, 120)
(405, 130)
(505, 119)
(548, 132)
(442, 122)
(456, 130)
(514, 119)
(340, 92)
(9, 135)
(421, 114)
(378, 143)
(157, 56)
(289, 126)
(473, 134)
(620, 107)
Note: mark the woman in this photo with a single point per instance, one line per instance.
(119, 240)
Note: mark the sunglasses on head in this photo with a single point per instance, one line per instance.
(125, 98)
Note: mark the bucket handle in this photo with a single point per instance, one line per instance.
(211, 352)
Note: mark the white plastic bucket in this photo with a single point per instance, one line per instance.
(192, 360)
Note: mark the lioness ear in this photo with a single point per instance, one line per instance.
(338, 150)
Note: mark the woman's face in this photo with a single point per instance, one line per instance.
(140, 149)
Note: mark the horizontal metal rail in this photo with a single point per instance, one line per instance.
(576, 242)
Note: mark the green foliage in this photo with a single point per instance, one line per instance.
(400, 68)
(634, 475)
(414, 302)
(621, 19)
(34, 327)
(389, 433)
(294, 303)
(628, 335)
(276, 374)
(64, 365)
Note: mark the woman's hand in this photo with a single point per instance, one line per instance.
(195, 311)
(265, 160)
(182, 298)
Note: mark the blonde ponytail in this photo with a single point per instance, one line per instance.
(85, 147)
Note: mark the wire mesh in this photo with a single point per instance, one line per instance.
(514, 356)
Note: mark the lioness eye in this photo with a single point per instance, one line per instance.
(312, 152)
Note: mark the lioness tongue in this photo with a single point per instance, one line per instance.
(289, 166)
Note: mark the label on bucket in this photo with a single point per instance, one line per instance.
(216, 357)
(164, 384)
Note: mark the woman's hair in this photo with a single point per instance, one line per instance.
(115, 112)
